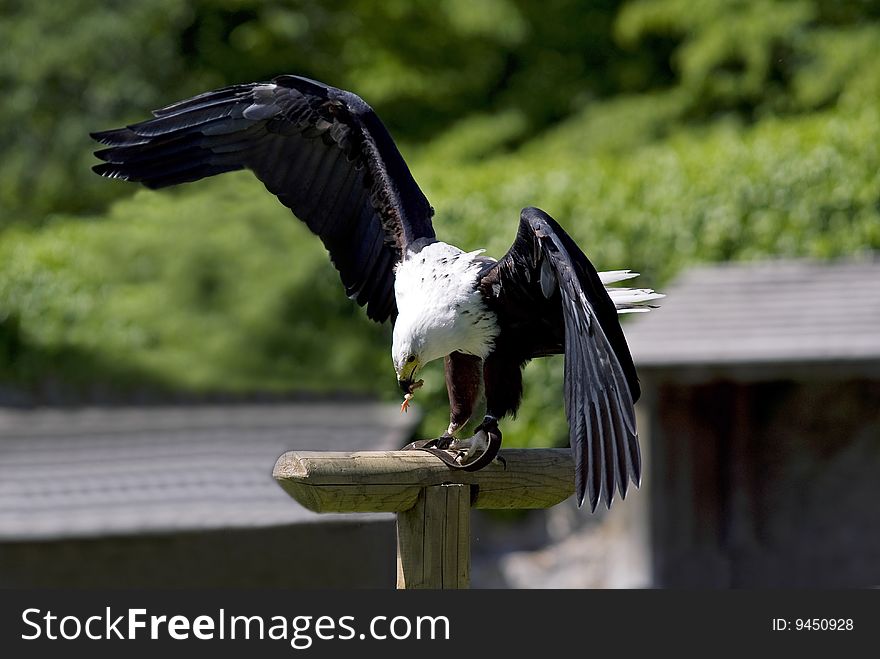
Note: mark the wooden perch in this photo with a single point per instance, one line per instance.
(390, 481)
(432, 502)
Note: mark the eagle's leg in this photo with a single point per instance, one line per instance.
(502, 377)
(464, 380)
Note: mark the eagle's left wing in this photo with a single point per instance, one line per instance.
(545, 271)
(321, 150)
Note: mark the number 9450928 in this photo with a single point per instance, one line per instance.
(823, 624)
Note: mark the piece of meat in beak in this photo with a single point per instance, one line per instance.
(408, 388)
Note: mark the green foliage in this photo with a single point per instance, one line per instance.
(67, 68)
(758, 56)
(660, 135)
(171, 289)
(805, 186)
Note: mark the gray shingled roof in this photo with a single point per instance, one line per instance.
(91, 472)
(763, 313)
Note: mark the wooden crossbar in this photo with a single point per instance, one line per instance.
(432, 502)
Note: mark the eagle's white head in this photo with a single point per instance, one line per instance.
(440, 309)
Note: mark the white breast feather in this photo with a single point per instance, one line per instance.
(440, 309)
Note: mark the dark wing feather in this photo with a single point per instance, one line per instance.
(553, 297)
(321, 150)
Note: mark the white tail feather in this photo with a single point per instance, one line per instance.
(616, 275)
(628, 300)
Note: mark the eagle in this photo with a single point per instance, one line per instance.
(326, 155)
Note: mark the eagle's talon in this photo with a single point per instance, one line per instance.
(437, 443)
(444, 442)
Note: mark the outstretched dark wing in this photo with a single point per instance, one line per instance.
(321, 150)
(550, 294)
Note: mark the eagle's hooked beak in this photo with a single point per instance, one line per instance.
(406, 377)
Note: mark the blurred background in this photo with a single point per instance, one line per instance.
(665, 135)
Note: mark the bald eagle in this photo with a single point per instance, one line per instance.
(326, 155)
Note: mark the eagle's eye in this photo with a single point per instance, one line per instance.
(410, 359)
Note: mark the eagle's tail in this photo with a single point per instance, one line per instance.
(628, 300)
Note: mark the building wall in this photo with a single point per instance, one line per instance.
(318, 555)
(769, 484)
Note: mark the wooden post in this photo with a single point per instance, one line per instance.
(432, 502)
(434, 538)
